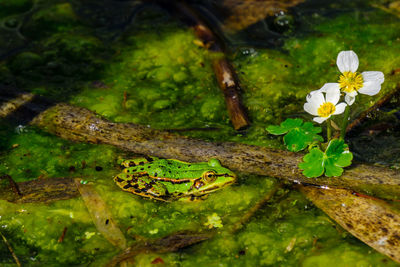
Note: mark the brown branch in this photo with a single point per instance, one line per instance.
(42, 191)
(13, 184)
(364, 115)
(64, 232)
(170, 243)
(79, 124)
(372, 221)
(9, 107)
(227, 79)
(11, 250)
(247, 216)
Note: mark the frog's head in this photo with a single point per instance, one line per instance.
(213, 178)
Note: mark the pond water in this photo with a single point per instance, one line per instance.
(136, 62)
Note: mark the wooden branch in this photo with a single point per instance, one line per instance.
(10, 106)
(79, 124)
(227, 79)
(372, 221)
(41, 191)
(364, 115)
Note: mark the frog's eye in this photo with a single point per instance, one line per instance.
(209, 176)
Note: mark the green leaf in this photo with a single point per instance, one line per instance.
(298, 134)
(332, 161)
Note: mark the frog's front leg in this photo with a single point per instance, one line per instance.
(141, 184)
(152, 188)
(137, 161)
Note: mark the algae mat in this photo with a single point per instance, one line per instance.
(133, 62)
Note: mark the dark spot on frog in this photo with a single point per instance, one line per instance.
(189, 166)
(242, 252)
(155, 174)
(149, 167)
(142, 169)
(99, 168)
(179, 167)
(349, 226)
(141, 163)
(119, 180)
(107, 221)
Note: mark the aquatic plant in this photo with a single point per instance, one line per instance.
(323, 104)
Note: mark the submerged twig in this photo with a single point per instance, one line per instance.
(64, 232)
(41, 191)
(10, 106)
(246, 217)
(101, 215)
(13, 184)
(170, 243)
(364, 115)
(11, 250)
(79, 124)
(372, 221)
(224, 71)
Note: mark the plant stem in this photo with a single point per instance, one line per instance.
(345, 122)
(329, 129)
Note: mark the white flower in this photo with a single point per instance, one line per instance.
(324, 107)
(351, 82)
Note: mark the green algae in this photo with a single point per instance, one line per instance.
(155, 74)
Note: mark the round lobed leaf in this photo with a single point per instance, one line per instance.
(298, 135)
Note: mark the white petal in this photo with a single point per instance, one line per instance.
(352, 94)
(316, 99)
(373, 76)
(347, 61)
(313, 92)
(313, 110)
(370, 88)
(320, 119)
(327, 86)
(340, 108)
(332, 92)
(349, 99)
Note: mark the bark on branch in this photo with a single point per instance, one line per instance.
(79, 124)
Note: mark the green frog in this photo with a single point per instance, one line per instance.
(170, 179)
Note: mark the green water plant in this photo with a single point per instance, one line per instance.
(330, 157)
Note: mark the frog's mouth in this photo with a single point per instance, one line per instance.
(213, 188)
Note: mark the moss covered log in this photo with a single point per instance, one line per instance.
(79, 124)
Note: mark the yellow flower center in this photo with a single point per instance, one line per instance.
(350, 81)
(326, 109)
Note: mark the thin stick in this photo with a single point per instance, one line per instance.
(226, 76)
(11, 250)
(364, 115)
(12, 105)
(61, 239)
(267, 197)
(13, 184)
